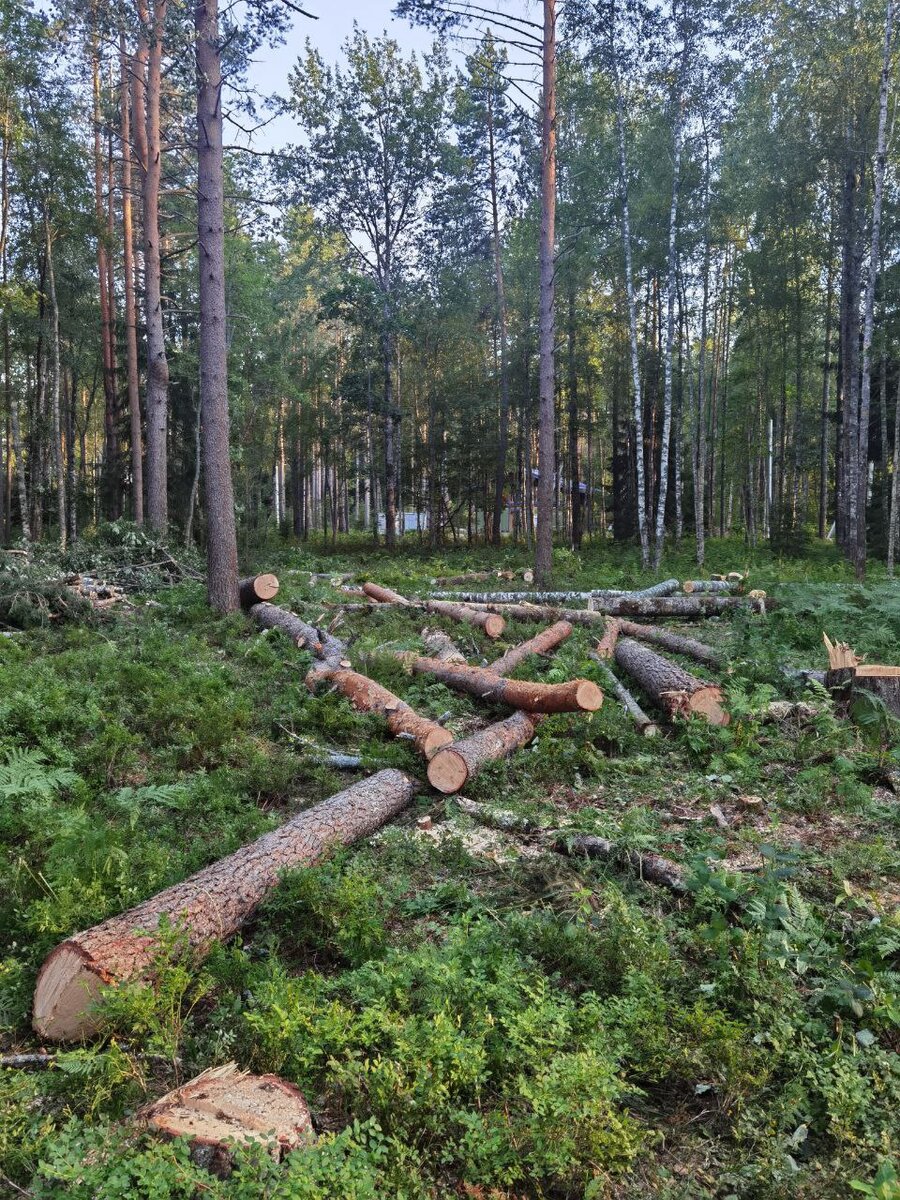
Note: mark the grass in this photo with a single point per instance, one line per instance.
(468, 1013)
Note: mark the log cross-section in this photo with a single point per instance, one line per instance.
(209, 906)
(368, 696)
(572, 696)
(257, 588)
(672, 688)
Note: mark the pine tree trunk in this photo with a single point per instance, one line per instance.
(131, 346)
(676, 642)
(577, 694)
(368, 696)
(673, 689)
(55, 382)
(221, 535)
(543, 643)
(894, 526)
(500, 289)
(208, 907)
(107, 331)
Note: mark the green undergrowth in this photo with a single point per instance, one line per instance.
(468, 1012)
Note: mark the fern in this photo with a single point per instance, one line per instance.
(26, 774)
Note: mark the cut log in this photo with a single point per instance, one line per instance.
(677, 607)
(384, 595)
(255, 588)
(225, 1105)
(672, 688)
(491, 624)
(607, 644)
(207, 907)
(471, 577)
(451, 768)
(321, 644)
(666, 587)
(543, 643)
(645, 726)
(441, 646)
(511, 597)
(708, 586)
(652, 867)
(573, 696)
(368, 696)
(676, 642)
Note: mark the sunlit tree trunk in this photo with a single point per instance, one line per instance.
(58, 466)
(543, 561)
(131, 348)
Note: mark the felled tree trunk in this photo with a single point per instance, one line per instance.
(306, 637)
(575, 695)
(210, 906)
(384, 595)
(673, 689)
(225, 1106)
(257, 588)
(607, 644)
(442, 647)
(543, 643)
(676, 642)
(679, 607)
(645, 726)
(368, 696)
(711, 586)
(652, 867)
(453, 766)
(491, 624)
(511, 597)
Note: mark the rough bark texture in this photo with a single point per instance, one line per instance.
(710, 586)
(645, 725)
(607, 644)
(221, 533)
(575, 695)
(368, 696)
(209, 906)
(543, 643)
(442, 647)
(880, 681)
(491, 624)
(322, 644)
(383, 595)
(453, 766)
(652, 867)
(225, 1105)
(676, 691)
(126, 67)
(543, 562)
(676, 642)
(680, 607)
(257, 588)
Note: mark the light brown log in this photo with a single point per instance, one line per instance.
(451, 768)
(256, 588)
(384, 595)
(543, 643)
(225, 1106)
(676, 642)
(320, 643)
(708, 586)
(672, 688)
(207, 907)
(607, 644)
(645, 726)
(368, 696)
(441, 646)
(573, 696)
(491, 624)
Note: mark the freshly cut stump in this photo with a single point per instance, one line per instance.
(543, 643)
(672, 688)
(368, 696)
(224, 1106)
(451, 768)
(257, 588)
(207, 907)
(575, 695)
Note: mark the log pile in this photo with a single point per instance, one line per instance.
(98, 594)
(671, 688)
(209, 906)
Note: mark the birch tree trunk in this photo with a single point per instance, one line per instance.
(221, 534)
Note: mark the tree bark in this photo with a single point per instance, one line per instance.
(485, 684)
(894, 526)
(543, 643)
(257, 588)
(55, 382)
(208, 907)
(676, 642)
(694, 587)
(646, 727)
(543, 562)
(500, 289)
(606, 647)
(221, 534)
(384, 595)
(453, 766)
(322, 645)
(491, 624)
(131, 346)
(672, 688)
(368, 696)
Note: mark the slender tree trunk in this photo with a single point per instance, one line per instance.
(147, 96)
(221, 540)
(131, 347)
(500, 288)
(826, 389)
(894, 527)
(59, 469)
(543, 561)
(574, 466)
(700, 413)
(859, 550)
(107, 330)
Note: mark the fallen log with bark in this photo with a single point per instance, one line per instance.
(441, 646)
(368, 696)
(471, 577)
(654, 868)
(209, 906)
(708, 586)
(384, 595)
(607, 645)
(665, 588)
(676, 642)
(225, 1107)
(574, 696)
(453, 766)
(683, 608)
(256, 588)
(491, 624)
(544, 642)
(646, 727)
(672, 689)
(321, 644)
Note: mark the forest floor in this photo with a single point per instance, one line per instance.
(468, 1013)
